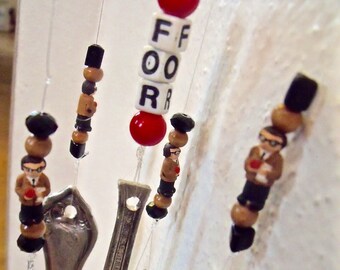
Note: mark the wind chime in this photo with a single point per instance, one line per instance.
(33, 185)
(158, 69)
(264, 163)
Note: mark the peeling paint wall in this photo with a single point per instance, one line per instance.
(230, 78)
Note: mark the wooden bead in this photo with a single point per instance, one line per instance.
(80, 137)
(177, 138)
(162, 201)
(286, 120)
(38, 147)
(170, 34)
(93, 74)
(33, 231)
(242, 216)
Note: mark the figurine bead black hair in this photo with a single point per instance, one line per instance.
(88, 87)
(300, 93)
(41, 124)
(94, 56)
(182, 122)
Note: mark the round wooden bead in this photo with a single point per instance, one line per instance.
(162, 201)
(178, 8)
(147, 129)
(177, 138)
(34, 230)
(79, 136)
(286, 120)
(93, 74)
(242, 216)
(38, 147)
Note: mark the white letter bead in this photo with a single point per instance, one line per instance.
(154, 97)
(159, 66)
(170, 33)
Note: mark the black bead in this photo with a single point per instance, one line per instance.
(88, 87)
(41, 124)
(300, 93)
(76, 149)
(94, 56)
(83, 123)
(156, 212)
(182, 122)
(30, 245)
(241, 238)
(166, 189)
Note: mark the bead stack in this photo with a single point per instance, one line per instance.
(33, 185)
(86, 105)
(178, 137)
(158, 69)
(264, 163)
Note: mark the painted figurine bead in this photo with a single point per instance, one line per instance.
(86, 105)
(178, 8)
(93, 74)
(166, 189)
(242, 216)
(147, 129)
(177, 138)
(286, 120)
(41, 124)
(38, 147)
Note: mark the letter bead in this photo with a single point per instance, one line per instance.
(170, 33)
(154, 97)
(159, 66)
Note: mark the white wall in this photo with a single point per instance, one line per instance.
(250, 53)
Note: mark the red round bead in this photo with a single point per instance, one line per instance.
(178, 8)
(147, 129)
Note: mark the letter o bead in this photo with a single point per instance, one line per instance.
(159, 66)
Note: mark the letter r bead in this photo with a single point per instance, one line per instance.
(154, 97)
(170, 33)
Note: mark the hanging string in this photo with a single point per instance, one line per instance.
(100, 20)
(48, 57)
(30, 261)
(139, 154)
(198, 56)
(153, 226)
